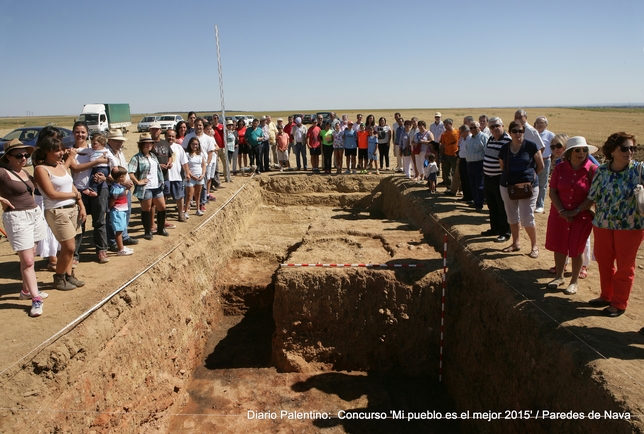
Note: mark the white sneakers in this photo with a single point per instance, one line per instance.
(125, 252)
(539, 210)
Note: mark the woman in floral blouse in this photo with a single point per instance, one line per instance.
(618, 228)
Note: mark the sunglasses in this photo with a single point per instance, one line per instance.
(557, 146)
(20, 156)
(517, 131)
(584, 149)
(627, 148)
(495, 126)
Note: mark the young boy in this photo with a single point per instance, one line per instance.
(363, 148)
(118, 208)
(372, 142)
(282, 139)
(431, 171)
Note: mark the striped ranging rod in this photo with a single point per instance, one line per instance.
(355, 265)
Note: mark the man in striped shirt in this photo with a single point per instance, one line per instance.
(491, 178)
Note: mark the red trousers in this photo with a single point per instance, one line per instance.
(619, 246)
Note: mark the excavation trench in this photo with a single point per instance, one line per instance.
(265, 348)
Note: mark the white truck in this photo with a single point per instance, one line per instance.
(101, 118)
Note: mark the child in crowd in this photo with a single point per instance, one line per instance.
(363, 148)
(430, 172)
(196, 173)
(372, 142)
(282, 139)
(118, 208)
(98, 151)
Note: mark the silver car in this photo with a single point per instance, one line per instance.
(144, 124)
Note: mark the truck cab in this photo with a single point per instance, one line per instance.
(102, 117)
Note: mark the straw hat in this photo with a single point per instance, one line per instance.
(145, 137)
(580, 142)
(115, 135)
(15, 144)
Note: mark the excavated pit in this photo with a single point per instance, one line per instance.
(323, 339)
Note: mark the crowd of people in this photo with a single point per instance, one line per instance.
(510, 172)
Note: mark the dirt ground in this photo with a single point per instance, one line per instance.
(619, 349)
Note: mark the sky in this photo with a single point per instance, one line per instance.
(161, 56)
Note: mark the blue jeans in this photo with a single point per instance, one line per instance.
(543, 182)
(266, 149)
(300, 149)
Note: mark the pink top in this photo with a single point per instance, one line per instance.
(572, 185)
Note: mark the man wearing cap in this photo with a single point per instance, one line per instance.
(491, 182)
(272, 142)
(299, 138)
(437, 128)
(115, 142)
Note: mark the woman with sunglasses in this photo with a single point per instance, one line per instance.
(567, 234)
(22, 219)
(617, 226)
(520, 162)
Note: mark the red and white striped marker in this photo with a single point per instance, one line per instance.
(440, 363)
(356, 265)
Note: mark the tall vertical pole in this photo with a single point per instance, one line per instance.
(440, 363)
(223, 106)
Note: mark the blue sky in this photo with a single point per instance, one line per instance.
(302, 55)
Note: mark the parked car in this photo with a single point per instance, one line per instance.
(307, 119)
(144, 124)
(168, 122)
(208, 118)
(297, 115)
(29, 136)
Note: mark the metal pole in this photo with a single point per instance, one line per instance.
(440, 363)
(223, 106)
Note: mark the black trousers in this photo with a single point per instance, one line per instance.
(498, 219)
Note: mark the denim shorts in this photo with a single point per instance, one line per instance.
(153, 193)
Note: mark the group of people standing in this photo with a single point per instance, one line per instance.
(509, 171)
(518, 170)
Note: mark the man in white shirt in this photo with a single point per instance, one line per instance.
(174, 181)
(483, 120)
(298, 132)
(521, 116)
(540, 125)
(115, 142)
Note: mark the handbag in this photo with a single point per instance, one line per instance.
(638, 192)
(521, 190)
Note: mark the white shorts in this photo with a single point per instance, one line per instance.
(210, 169)
(24, 228)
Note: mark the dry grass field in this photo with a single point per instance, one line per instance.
(594, 124)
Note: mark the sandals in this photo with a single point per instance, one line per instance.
(511, 248)
(556, 283)
(534, 254)
(583, 273)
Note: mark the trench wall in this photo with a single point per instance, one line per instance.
(129, 361)
(501, 353)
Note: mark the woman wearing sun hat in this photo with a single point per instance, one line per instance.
(22, 219)
(145, 173)
(568, 229)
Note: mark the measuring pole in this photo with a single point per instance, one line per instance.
(440, 366)
(223, 106)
